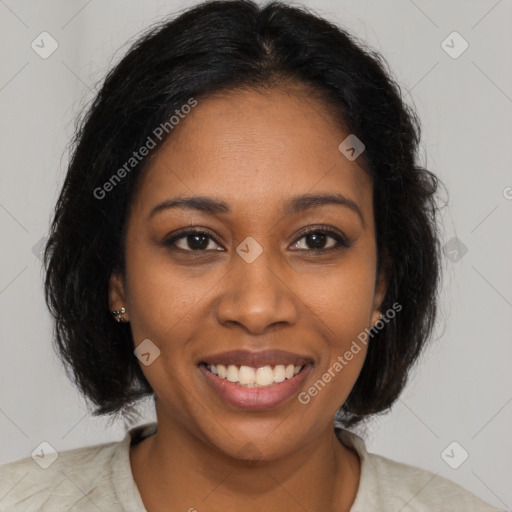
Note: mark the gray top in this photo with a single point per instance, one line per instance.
(99, 478)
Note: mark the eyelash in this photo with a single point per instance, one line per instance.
(341, 241)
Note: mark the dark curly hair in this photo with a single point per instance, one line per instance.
(222, 46)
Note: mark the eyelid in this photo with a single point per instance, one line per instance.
(324, 228)
(342, 241)
(182, 233)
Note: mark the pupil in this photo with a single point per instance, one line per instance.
(201, 240)
(316, 237)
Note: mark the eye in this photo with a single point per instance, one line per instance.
(198, 240)
(192, 240)
(317, 238)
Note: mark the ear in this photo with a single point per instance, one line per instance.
(380, 292)
(116, 294)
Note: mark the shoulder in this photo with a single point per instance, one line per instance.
(388, 485)
(424, 490)
(72, 480)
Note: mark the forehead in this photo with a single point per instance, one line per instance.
(254, 149)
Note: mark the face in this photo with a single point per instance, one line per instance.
(251, 282)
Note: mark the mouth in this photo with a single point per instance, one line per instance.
(255, 380)
(250, 377)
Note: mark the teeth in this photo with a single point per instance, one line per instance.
(221, 370)
(232, 373)
(279, 373)
(247, 376)
(264, 376)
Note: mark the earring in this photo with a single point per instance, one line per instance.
(379, 319)
(119, 314)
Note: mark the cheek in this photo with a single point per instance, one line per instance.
(342, 296)
(162, 305)
(341, 302)
(160, 296)
(160, 312)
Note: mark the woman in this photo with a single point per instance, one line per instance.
(243, 233)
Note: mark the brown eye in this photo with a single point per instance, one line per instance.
(191, 240)
(317, 240)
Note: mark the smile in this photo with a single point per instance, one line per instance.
(250, 377)
(255, 380)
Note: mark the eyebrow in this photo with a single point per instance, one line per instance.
(294, 205)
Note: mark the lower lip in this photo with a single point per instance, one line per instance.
(255, 398)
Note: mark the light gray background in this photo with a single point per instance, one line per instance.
(462, 388)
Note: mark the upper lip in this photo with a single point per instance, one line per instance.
(256, 359)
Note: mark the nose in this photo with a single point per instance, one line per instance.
(257, 296)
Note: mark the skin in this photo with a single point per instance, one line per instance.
(254, 150)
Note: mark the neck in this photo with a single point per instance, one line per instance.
(173, 466)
